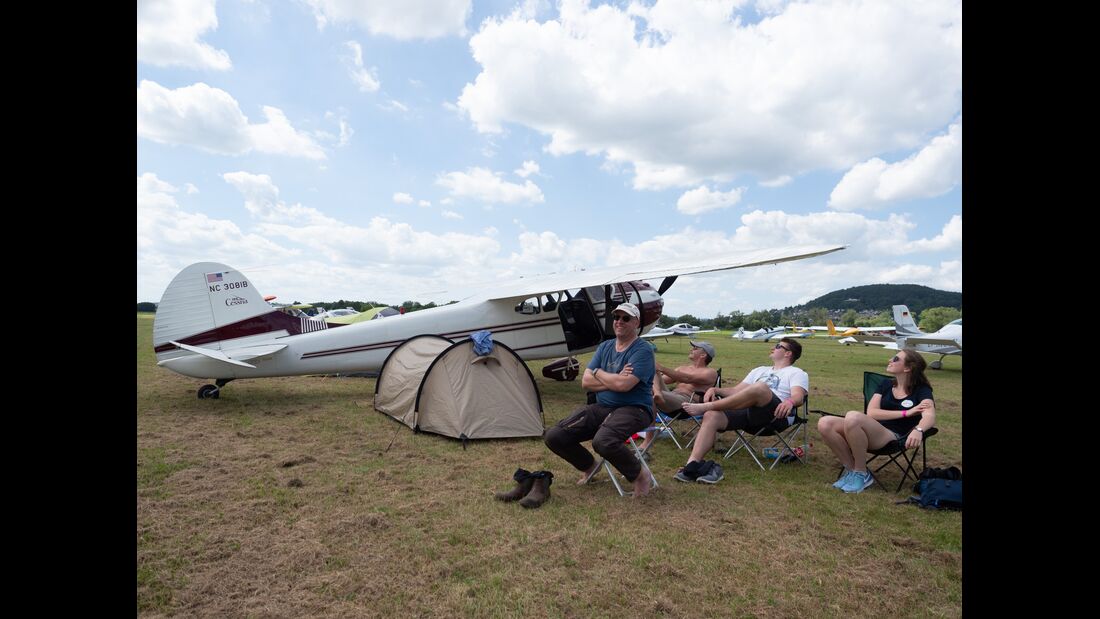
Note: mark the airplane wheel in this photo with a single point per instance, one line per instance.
(936, 365)
(208, 392)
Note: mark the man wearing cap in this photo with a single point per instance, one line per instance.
(695, 376)
(768, 395)
(621, 375)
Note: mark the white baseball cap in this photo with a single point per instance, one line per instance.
(628, 308)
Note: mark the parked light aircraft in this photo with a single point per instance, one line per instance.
(213, 323)
(946, 341)
(763, 335)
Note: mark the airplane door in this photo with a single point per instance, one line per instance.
(579, 322)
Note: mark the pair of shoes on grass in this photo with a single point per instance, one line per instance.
(706, 472)
(854, 481)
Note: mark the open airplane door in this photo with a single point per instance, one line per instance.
(579, 323)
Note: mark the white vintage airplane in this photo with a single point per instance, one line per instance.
(947, 341)
(213, 323)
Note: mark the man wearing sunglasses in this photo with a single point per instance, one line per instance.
(767, 395)
(621, 375)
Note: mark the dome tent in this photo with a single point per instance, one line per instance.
(432, 384)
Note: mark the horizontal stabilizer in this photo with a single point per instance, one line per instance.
(207, 352)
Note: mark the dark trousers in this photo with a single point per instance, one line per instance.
(608, 428)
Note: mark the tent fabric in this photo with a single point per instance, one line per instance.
(433, 385)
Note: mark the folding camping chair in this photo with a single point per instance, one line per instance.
(894, 450)
(614, 475)
(784, 435)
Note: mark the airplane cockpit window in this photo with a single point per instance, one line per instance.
(551, 302)
(530, 306)
(956, 322)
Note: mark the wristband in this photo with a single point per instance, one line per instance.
(904, 412)
(789, 401)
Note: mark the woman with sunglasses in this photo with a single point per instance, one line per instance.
(901, 410)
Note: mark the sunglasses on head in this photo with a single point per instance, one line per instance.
(621, 317)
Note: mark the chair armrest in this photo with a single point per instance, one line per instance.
(821, 412)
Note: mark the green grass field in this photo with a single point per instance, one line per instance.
(280, 499)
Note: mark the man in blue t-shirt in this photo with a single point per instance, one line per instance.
(621, 375)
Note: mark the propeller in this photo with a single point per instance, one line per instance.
(666, 284)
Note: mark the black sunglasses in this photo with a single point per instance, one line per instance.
(783, 347)
(896, 359)
(621, 317)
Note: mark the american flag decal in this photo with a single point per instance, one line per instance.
(213, 277)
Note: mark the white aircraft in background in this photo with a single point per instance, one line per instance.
(213, 323)
(947, 341)
(762, 335)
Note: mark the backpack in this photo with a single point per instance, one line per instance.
(939, 489)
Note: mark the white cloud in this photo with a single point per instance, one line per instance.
(191, 188)
(702, 199)
(948, 240)
(451, 215)
(483, 185)
(394, 105)
(424, 203)
(685, 92)
(168, 33)
(366, 80)
(933, 171)
(262, 200)
(400, 19)
(778, 181)
(528, 168)
(170, 238)
(402, 198)
(211, 120)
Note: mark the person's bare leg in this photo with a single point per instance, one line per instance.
(713, 422)
(643, 483)
(832, 432)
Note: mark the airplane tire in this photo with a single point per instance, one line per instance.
(208, 392)
(936, 365)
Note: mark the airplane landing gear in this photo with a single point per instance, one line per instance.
(213, 392)
(937, 364)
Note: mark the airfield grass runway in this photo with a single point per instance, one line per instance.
(280, 500)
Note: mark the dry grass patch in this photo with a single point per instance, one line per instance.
(281, 499)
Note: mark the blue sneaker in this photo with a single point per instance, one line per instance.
(843, 479)
(857, 482)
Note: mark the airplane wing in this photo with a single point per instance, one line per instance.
(233, 356)
(539, 284)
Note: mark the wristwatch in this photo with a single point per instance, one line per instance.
(917, 428)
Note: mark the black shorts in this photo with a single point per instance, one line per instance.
(755, 417)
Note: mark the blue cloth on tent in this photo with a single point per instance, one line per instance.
(483, 342)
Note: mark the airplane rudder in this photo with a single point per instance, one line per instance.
(205, 296)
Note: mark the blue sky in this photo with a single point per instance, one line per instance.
(388, 150)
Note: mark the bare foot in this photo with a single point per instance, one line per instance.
(643, 484)
(588, 473)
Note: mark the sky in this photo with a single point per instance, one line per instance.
(395, 150)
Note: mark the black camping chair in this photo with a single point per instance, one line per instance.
(662, 422)
(894, 451)
(786, 432)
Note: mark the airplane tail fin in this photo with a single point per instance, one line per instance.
(203, 306)
(832, 327)
(903, 321)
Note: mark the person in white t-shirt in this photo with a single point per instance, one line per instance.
(766, 395)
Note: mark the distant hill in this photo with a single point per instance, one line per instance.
(880, 297)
